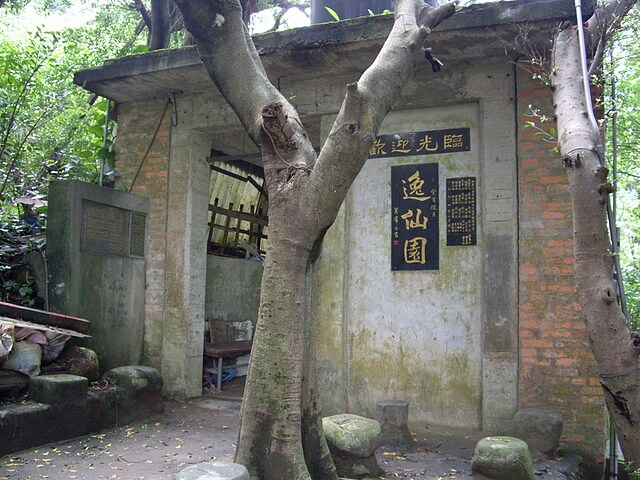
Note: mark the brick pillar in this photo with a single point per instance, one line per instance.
(137, 123)
(557, 369)
(175, 177)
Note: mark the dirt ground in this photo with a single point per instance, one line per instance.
(206, 429)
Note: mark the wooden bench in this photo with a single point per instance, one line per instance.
(220, 351)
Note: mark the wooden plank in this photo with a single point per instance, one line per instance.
(44, 328)
(229, 349)
(44, 318)
(259, 219)
(246, 232)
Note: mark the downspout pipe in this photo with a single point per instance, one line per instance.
(585, 70)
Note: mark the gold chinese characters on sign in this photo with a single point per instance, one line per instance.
(461, 211)
(421, 143)
(414, 223)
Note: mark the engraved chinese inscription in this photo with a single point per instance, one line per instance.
(414, 220)
(421, 143)
(461, 211)
(111, 231)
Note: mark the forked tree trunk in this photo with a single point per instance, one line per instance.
(280, 429)
(613, 345)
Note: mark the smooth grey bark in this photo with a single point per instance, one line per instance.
(160, 26)
(615, 348)
(280, 430)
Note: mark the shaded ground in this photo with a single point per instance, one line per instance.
(206, 429)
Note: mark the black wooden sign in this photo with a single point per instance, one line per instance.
(421, 143)
(414, 219)
(461, 211)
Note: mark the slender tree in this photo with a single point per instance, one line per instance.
(615, 347)
(280, 429)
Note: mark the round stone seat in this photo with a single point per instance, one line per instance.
(351, 436)
(214, 471)
(503, 458)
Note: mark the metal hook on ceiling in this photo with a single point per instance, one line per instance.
(174, 109)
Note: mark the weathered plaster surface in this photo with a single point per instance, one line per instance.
(103, 289)
(232, 297)
(183, 322)
(422, 336)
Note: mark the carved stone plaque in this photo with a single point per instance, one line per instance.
(111, 231)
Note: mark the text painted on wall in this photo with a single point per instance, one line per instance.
(414, 220)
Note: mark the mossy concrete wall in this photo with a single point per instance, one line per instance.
(429, 336)
(232, 298)
(103, 287)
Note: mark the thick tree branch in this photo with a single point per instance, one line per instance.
(146, 18)
(230, 57)
(160, 27)
(366, 104)
(601, 26)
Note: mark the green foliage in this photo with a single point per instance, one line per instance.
(20, 293)
(48, 127)
(626, 74)
(333, 13)
(634, 474)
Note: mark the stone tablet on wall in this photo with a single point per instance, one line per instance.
(429, 142)
(414, 217)
(111, 231)
(461, 211)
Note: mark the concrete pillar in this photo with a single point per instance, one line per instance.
(185, 273)
(500, 227)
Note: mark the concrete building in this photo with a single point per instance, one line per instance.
(488, 325)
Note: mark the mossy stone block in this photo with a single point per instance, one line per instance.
(540, 428)
(214, 471)
(393, 416)
(351, 436)
(503, 458)
(59, 390)
(135, 378)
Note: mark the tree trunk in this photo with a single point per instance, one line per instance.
(613, 345)
(160, 27)
(280, 426)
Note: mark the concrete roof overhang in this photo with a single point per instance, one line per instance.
(332, 49)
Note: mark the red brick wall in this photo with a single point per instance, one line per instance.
(137, 124)
(557, 369)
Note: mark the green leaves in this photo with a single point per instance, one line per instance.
(333, 13)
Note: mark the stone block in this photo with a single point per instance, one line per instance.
(361, 468)
(135, 378)
(214, 471)
(540, 428)
(351, 436)
(352, 442)
(21, 423)
(80, 361)
(393, 416)
(138, 391)
(503, 458)
(59, 390)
